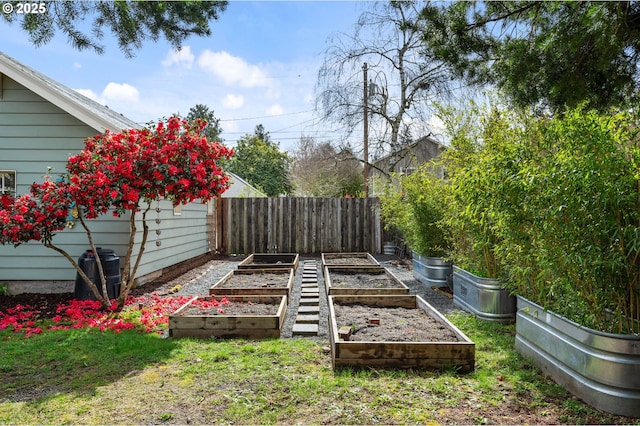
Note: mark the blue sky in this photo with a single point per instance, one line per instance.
(258, 67)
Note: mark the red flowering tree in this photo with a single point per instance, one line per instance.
(123, 173)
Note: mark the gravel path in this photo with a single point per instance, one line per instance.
(200, 279)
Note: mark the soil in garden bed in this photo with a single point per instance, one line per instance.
(362, 280)
(262, 280)
(348, 261)
(388, 324)
(204, 308)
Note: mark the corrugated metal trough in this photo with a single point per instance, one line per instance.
(602, 369)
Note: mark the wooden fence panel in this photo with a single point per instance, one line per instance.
(298, 225)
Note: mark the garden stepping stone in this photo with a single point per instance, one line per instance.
(302, 329)
(308, 318)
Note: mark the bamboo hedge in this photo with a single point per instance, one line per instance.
(552, 206)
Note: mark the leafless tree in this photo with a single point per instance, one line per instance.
(321, 170)
(405, 78)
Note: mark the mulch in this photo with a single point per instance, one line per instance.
(47, 303)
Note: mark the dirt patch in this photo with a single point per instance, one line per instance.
(257, 280)
(348, 261)
(363, 280)
(385, 324)
(206, 307)
(45, 304)
(184, 271)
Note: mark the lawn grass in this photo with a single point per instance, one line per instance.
(91, 377)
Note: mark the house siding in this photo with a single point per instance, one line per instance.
(181, 237)
(35, 135)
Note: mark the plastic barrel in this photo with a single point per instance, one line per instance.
(111, 266)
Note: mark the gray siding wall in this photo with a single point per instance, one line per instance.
(36, 135)
(181, 237)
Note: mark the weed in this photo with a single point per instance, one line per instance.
(164, 417)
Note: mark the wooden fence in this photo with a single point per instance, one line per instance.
(295, 225)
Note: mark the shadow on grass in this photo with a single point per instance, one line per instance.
(76, 361)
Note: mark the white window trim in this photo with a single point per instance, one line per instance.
(15, 182)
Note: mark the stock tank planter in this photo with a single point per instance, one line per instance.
(432, 271)
(602, 369)
(484, 297)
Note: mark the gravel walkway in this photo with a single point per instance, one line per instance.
(199, 280)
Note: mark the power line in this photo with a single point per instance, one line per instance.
(266, 116)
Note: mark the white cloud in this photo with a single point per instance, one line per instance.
(77, 65)
(113, 93)
(120, 92)
(275, 109)
(232, 69)
(183, 58)
(232, 101)
(89, 94)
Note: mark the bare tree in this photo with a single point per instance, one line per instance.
(404, 77)
(321, 170)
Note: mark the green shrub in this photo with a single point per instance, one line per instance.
(413, 204)
(474, 221)
(552, 206)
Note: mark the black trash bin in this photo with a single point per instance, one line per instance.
(111, 266)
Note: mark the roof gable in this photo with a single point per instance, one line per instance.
(88, 111)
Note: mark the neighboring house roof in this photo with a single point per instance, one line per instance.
(241, 188)
(412, 154)
(90, 112)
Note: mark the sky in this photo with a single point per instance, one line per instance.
(259, 66)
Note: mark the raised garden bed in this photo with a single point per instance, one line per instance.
(342, 259)
(265, 282)
(242, 316)
(395, 332)
(270, 260)
(354, 280)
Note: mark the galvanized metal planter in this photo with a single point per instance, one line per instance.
(602, 369)
(432, 271)
(484, 297)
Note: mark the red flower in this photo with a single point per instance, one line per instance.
(115, 172)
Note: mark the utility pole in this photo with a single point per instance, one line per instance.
(366, 133)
